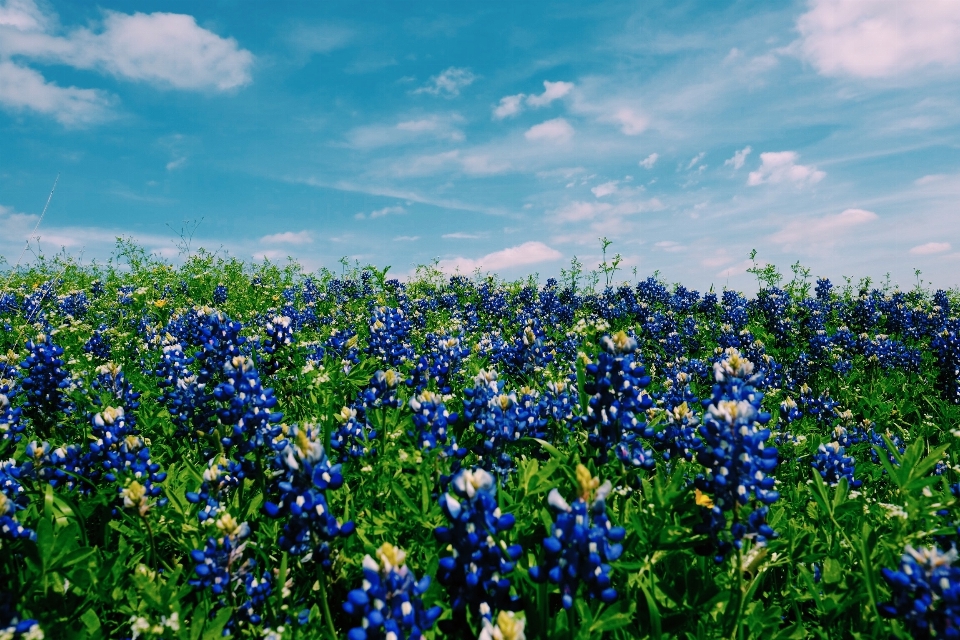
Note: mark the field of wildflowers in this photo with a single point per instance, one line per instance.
(231, 449)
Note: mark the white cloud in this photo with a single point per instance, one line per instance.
(460, 235)
(379, 213)
(551, 91)
(739, 157)
(821, 232)
(164, 48)
(557, 129)
(509, 106)
(781, 166)
(928, 179)
(482, 165)
(23, 88)
(578, 211)
(406, 238)
(930, 248)
(697, 158)
(631, 123)
(605, 189)
(441, 127)
(524, 254)
(448, 83)
(308, 40)
(669, 246)
(23, 15)
(288, 237)
(176, 164)
(476, 164)
(649, 161)
(877, 38)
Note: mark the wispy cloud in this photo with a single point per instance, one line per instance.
(781, 166)
(288, 237)
(406, 238)
(435, 126)
(379, 213)
(930, 248)
(551, 91)
(649, 161)
(695, 160)
(22, 88)
(448, 83)
(739, 157)
(812, 234)
(556, 130)
(605, 189)
(509, 106)
(631, 122)
(460, 235)
(522, 255)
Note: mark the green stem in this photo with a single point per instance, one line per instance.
(735, 631)
(328, 616)
(153, 542)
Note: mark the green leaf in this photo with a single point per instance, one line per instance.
(214, 630)
(90, 621)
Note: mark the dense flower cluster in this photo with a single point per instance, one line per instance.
(614, 419)
(303, 476)
(582, 542)
(733, 450)
(475, 574)
(390, 604)
(926, 593)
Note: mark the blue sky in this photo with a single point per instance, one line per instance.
(501, 136)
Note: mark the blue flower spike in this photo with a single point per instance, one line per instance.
(582, 542)
(389, 604)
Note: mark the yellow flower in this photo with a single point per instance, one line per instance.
(703, 499)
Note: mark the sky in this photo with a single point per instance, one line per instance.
(500, 136)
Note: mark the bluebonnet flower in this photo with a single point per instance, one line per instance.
(738, 464)
(12, 499)
(925, 593)
(183, 394)
(831, 463)
(582, 542)
(124, 459)
(302, 476)
(74, 304)
(353, 437)
(279, 331)
(11, 427)
(502, 418)
(389, 336)
(431, 420)
(343, 344)
(125, 295)
(475, 572)
(16, 629)
(678, 436)
(439, 365)
(946, 347)
(219, 480)
(507, 627)
(98, 345)
(389, 604)
(221, 567)
(65, 466)
(247, 413)
(618, 401)
(219, 294)
(44, 381)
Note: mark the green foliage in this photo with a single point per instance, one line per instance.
(96, 571)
